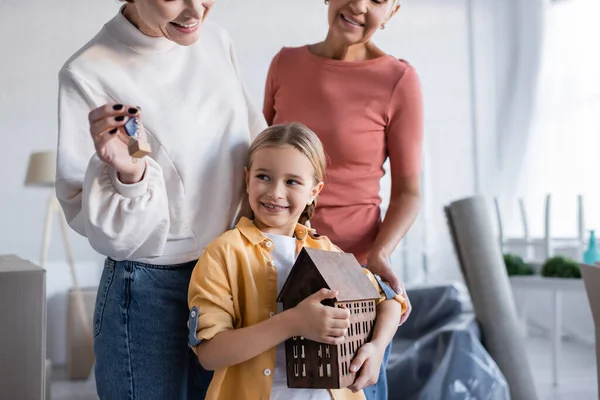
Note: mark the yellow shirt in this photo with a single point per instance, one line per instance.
(234, 285)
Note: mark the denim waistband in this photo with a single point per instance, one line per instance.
(129, 263)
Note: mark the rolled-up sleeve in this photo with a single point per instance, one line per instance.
(210, 298)
(386, 292)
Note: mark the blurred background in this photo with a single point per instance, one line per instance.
(512, 110)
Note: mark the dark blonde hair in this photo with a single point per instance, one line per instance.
(300, 138)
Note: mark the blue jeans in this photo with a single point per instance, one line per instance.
(141, 335)
(379, 391)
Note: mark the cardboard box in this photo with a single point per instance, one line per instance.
(591, 279)
(80, 353)
(22, 329)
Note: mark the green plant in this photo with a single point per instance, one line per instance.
(561, 267)
(516, 266)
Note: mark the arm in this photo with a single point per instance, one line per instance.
(404, 141)
(390, 309)
(219, 345)
(386, 324)
(236, 346)
(402, 211)
(210, 292)
(309, 319)
(370, 356)
(269, 100)
(120, 220)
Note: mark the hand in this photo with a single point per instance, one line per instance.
(367, 362)
(321, 323)
(110, 139)
(379, 265)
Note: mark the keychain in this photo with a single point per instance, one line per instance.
(138, 146)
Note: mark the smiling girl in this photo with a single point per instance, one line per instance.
(236, 326)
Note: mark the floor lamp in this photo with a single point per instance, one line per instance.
(41, 172)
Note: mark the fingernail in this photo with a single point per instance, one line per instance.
(353, 368)
(119, 118)
(118, 107)
(112, 132)
(132, 110)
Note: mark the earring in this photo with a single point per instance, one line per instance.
(326, 1)
(382, 26)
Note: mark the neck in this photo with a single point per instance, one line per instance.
(132, 15)
(279, 230)
(334, 50)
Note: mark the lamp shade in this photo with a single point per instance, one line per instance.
(42, 169)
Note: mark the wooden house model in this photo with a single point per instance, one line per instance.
(316, 365)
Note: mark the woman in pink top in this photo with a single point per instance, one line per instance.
(365, 106)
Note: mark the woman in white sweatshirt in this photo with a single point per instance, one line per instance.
(159, 61)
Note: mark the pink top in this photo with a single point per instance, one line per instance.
(363, 112)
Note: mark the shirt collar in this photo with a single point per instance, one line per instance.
(255, 236)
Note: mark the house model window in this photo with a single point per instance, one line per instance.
(316, 365)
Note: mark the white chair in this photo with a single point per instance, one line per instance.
(547, 246)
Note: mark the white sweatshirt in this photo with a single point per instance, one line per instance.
(199, 121)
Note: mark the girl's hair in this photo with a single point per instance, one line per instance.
(300, 138)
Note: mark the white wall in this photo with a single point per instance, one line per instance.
(431, 34)
(37, 37)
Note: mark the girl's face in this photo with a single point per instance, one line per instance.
(355, 21)
(178, 20)
(280, 184)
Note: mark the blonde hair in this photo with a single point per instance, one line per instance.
(300, 138)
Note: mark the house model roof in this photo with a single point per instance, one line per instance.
(339, 271)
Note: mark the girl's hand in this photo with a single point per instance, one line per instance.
(111, 140)
(320, 323)
(378, 264)
(367, 362)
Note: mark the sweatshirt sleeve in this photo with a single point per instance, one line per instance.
(120, 221)
(256, 121)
